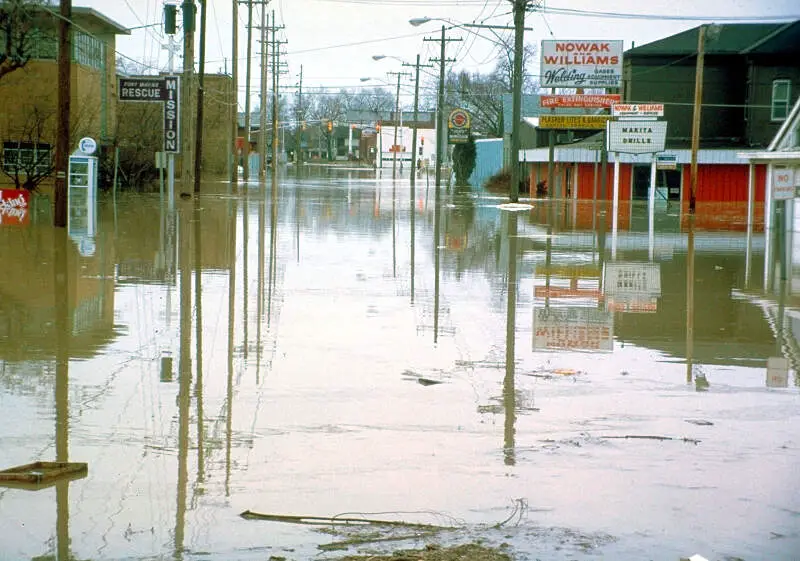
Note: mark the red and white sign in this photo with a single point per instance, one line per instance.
(783, 184)
(581, 64)
(637, 110)
(595, 101)
(14, 207)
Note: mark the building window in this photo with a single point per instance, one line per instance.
(26, 158)
(781, 90)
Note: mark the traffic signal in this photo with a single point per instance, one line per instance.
(170, 19)
(378, 128)
(330, 126)
(422, 141)
(304, 125)
(189, 11)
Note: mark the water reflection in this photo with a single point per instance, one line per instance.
(318, 362)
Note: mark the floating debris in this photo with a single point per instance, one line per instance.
(700, 422)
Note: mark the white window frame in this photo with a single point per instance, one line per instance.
(779, 106)
(40, 153)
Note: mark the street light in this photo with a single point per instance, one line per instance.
(519, 31)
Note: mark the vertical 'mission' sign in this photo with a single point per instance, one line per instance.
(171, 115)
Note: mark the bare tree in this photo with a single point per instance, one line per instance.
(18, 33)
(28, 160)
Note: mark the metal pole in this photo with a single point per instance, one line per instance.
(516, 110)
(262, 116)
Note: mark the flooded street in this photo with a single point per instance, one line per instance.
(341, 345)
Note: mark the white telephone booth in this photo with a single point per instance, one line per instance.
(82, 196)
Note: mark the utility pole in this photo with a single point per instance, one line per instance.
(262, 126)
(698, 105)
(276, 53)
(440, 139)
(188, 90)
(520, 6)
(396, 116)
(416, 66)
(64, 93)
(235, 90)
(246, 166)
(198, 146)
(298, 149)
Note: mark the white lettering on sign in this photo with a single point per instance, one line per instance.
(171, 115)
(581, 63)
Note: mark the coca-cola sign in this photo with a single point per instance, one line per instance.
(581, 64)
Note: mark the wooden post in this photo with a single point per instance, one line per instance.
(62, 133)
(698, 101)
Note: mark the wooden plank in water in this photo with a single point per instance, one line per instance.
(42, 474)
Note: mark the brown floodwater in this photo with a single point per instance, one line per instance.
(337, 343)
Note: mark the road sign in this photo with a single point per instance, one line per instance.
(636, 137)
(783, 184)
(458, 126)
(589, 122)
(587, 101)
(637, 110)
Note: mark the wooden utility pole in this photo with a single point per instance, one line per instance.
(396, 120)
(262, 126)
(276, 53)
(246, 165)
(698, 105)
(416, 66)
(235, 90)
(198, 145)
(516, 97)
(441, 141)
(62, 133)
(298, 149)
(188, 91)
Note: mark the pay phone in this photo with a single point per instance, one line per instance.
(82, 196)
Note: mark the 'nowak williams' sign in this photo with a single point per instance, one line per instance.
(581, 64)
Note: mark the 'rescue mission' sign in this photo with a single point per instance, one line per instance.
(142, 89)
(458, 126)
(172, 135)
(581, 64)
(163, 89)
(636, 137)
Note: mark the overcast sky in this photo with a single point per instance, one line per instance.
(334, 40)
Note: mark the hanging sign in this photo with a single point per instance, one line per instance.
(458, 126)
(666, 162)
(637, 110)
(593, 101)
(581, 64)
(636, 137)
(577, 122)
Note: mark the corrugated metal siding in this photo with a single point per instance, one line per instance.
(718, 183)
(488, 160)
